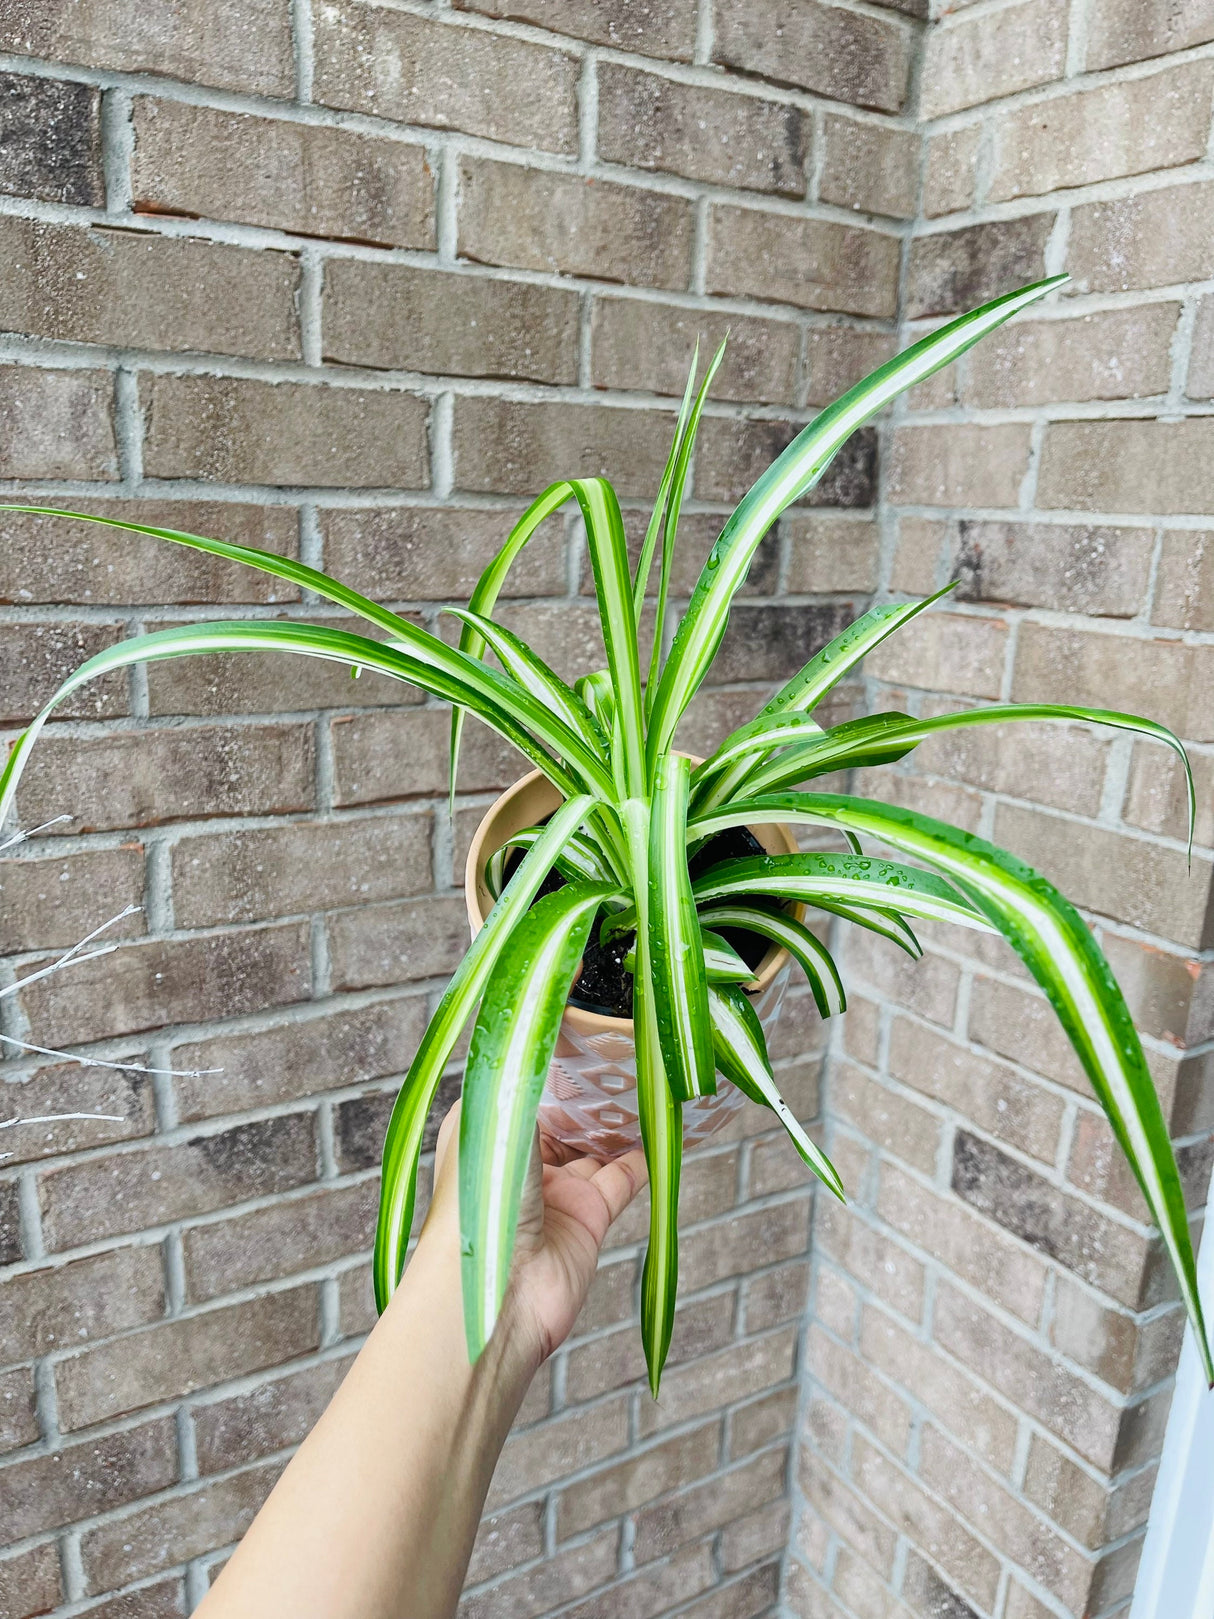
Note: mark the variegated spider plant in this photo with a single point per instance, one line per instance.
(631, 809)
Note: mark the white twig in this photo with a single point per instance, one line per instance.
(73, 955)
(23, 837)
(56, 1118)
(99, 1062)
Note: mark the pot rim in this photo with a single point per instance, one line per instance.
(593, 1023)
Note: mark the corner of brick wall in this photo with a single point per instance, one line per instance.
(992, 1329)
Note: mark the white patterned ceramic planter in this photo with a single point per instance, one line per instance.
(589, 1101)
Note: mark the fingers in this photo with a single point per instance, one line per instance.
(620, 1181)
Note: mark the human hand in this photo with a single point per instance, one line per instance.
(566, 1212)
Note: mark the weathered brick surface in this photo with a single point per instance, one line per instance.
(573, 219)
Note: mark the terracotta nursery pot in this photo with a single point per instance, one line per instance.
(589, 1101)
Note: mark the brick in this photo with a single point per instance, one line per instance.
(716, 1252)
(916, 561)
(565, 1575)
(837, 357)
(290, 1236)
(1157, 798)
(646, 346)
(356, 1296)
(128, 289)
(50, 137)
(53, 902)
(30, 1582)
(709, 1382)
(44, 559)
(954, 1398)
(778, 1295)
(929, 1595)
(967, 1563)
(956, 269)
(733, 455)
(1063, 767)
(810, 263)
(415, 553)
(772, 643)
(1149, 886)
(1020, 1605)
(80, 1481)
(536, 220)
(398, 317)
(836, 1368)
(1023, 1026)
(101, 1197)
(615, 1358)
(265, 1419)
(570, 1442)
(1184, 586)
(418, 70)
(1118, 1347)
(1131, 127)
(959, 464)
(307, 866)
(873, 1258)
(1152, 239)
(611, 1297)
(401, 942)
(1032, 1380)
(758, 1534)
(1014, 1529)
(756, 1424)
(890, 1120)
(386, 756)
(952, 159)
(831, 554)
(639, 1478)
(68, 1305)
(56, 424)
(35, 660)
(10, 1224)
(659, 28)
(969, 60)
(708, 1188)
(1089, 1511)
(147, 985)
(252, 52)
(969, 1246)
(360, 1123)
(234, 430)
(1076, 568)
(302, 178)
(18, 1413)
(849, 1514)
(505, 1540)
(650, 122)
(993, 1095)
(502, 445)
(179, 1357)
(1108, 1255)
(164, 1600)
(1162, 679)
(1200, 383)
(870, 167)
(1120, 31)
(1168, 995)
(856, 1584)
(326, 1051)
(1116, 354)
(661, 1528)
(945, 651)
(841, 54)
(1127, 466)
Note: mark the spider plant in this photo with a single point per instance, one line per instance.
(631, 810)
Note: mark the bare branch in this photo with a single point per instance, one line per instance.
(24, 837)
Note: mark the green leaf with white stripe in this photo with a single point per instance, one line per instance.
(512, 1045)
(657, 517)
(846, 879)
(741, 1053)
(791, 934)
(1052, 940)
(792, 475)
(722, 963)
(886, 924)
(403, 1141)
(679, 985)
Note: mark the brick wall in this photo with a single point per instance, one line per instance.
(351, 281)
(992, 1332)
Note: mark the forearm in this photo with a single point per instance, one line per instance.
(375, 1516)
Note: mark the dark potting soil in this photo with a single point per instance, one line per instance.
(604, 986)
